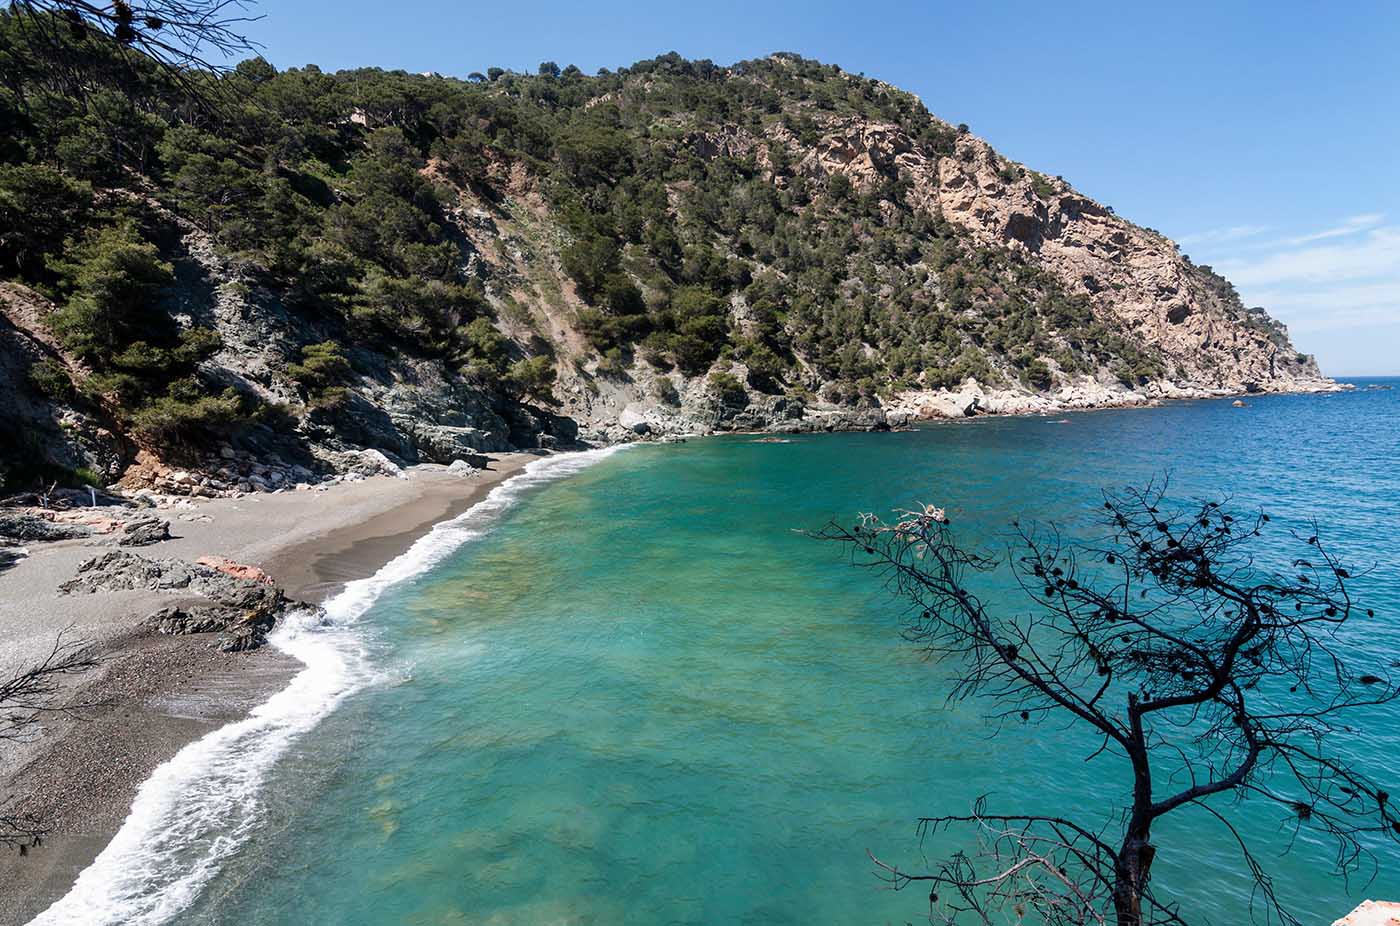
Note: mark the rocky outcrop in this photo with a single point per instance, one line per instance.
(238, 603)
(1136, 278)
(24, 528)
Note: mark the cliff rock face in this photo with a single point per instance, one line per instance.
(1134, 276)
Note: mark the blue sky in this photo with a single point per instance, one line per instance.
(1264, 137)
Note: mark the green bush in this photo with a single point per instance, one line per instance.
(187, 415)
(1037, 373)
(50, 378)
(664, 390)
(39, 207)
(728, 389)
(114, 277)
(322, 374)
(533, 378)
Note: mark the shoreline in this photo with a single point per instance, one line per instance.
(154, 694)
(160, 693)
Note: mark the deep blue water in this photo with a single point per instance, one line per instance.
(643, 697)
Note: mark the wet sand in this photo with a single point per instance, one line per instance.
(153, 694)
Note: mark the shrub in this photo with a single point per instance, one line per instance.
(188, 415)
(664, 389)
(322, 373)
(1038, 374)
(39, 207)
(52, 381)
(728, 389)
(533, 378)
(114, 276)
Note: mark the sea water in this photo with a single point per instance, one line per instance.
(642, 695)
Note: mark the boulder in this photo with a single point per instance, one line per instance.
(143, 531)
(463, 468)
(634, 420)
(242, 629)
(375, 463)
(950, 405)
(439, 443)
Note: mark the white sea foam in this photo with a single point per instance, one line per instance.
(200, 807)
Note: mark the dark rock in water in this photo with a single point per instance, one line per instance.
(143, 532)
(27, 527)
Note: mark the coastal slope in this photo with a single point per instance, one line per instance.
(429, 268)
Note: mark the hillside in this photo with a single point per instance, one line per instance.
(301, 266)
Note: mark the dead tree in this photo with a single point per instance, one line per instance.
(25, 699)
(1204, 675)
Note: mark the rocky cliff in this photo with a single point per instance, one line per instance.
(428, 269)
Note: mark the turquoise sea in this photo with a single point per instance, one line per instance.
(639, 695)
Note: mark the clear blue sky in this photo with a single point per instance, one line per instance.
(1265, 137)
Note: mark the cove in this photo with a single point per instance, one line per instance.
(643, 696)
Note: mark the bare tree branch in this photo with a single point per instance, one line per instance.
(1208, 675)
(25, 699)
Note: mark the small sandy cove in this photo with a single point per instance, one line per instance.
(155, 693)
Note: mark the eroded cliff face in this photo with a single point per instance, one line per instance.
(1133, 275)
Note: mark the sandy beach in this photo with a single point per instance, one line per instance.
(152, 694)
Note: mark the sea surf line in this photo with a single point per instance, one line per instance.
(199, 807)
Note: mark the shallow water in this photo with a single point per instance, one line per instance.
(645, 698)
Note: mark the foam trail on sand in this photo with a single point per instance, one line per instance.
(199, 808)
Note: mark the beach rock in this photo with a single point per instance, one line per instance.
(439, 443)
(97, 523)
(463, 468)
(144, 531)
(238, 601)
(178, 619)
(243, 630)
(237, 570)
(26, 527)
(363, 463)
(1372, 913)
